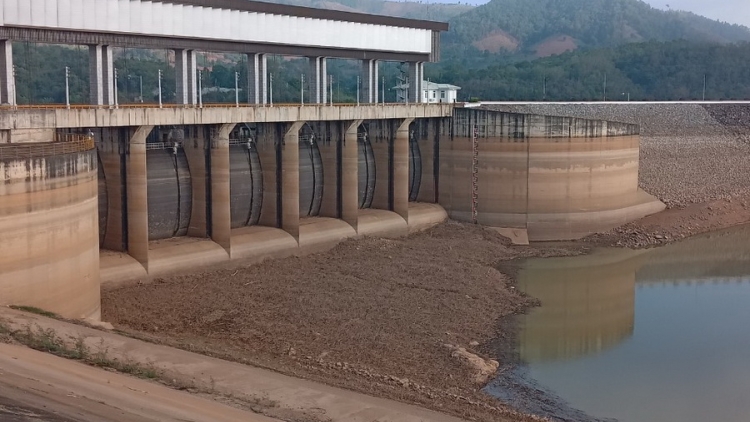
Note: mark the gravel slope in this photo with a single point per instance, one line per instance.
(690, 153)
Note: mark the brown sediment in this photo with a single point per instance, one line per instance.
(375, 315)
(677, 223)
(372, 315)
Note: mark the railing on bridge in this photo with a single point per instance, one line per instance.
(174, 145)
(192, 106)
(64, 143)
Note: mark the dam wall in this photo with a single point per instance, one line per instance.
(179, 197)
(691, 152)
(557, 177)
(49, 253)
(156, 199)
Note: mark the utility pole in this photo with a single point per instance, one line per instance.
(330, 89)
(67, 87)
(302, 89)
(406, 96)
(200, 89)
(160, 103)
(382, 96)
(15, 94)
(141, 78)
(237, 89)
(358, 79)
(270, 89)
(117, 92)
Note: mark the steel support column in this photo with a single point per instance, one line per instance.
(316, 79)
(257, 79)
(101, 75)
(375, 82)
(368, 81)
(186, 77)
(7, 76)
(415, 82)
(323, 80)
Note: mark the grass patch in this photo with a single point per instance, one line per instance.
(48, 341)
(5, 332)
(33, 310)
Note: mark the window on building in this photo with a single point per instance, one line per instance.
(442, 94)
(433, 95)
(425, 95)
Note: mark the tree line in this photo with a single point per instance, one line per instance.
(676, 70)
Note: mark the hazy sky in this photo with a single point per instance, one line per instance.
(732, 11)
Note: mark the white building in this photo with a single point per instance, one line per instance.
(431, 92)
(439, 93)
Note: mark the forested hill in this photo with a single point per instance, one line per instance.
(540, 28)
(672, 70)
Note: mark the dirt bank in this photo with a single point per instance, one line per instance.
(35, 386)
(373, 315)
(418, 319)
(675, 224)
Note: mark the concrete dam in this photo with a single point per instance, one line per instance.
(95, 196)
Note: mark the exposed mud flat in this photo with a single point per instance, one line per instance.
(376, 315)
(373, 315)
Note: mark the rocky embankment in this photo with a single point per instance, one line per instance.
(695, 158)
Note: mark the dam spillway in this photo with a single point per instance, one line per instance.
(245, 183)
(171, 197)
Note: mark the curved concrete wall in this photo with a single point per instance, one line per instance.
(557, 177)
(49, 253)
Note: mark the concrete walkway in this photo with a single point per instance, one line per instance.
(276, 395)
(36, 386)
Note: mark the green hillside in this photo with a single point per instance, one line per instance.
(607, 36)
(540, 28)
(672, 70)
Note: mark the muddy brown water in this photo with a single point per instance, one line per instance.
(655, 335)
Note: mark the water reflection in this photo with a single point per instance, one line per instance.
(588, 305)
(655, 335)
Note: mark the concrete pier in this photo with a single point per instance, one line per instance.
(49, 253)
(558, 177)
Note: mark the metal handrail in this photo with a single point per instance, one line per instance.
(65, 143)
(191, 106)
(163, 145)
(240, 141)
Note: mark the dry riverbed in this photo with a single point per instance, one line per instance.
(411, 319)
(421, 319)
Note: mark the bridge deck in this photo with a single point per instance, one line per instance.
(60, 117)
